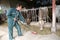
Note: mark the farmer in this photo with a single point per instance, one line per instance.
(13, 15)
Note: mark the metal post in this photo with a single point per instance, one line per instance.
(53, 29)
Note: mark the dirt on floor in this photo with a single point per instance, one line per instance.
(45, 31)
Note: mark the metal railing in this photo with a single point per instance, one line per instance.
(35, 14)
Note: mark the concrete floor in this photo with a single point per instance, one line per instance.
(27, 35)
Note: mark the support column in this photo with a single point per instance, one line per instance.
(53, 28)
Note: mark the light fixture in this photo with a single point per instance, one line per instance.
(0, 7)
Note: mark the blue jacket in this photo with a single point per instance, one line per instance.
(11, 13)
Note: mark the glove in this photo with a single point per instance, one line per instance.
(15, 19)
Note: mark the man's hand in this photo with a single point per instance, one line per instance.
(15, 19)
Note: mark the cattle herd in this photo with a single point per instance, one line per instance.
(32, 15)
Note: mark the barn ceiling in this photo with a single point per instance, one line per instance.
(31, 3)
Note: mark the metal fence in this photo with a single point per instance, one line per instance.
(36, 14)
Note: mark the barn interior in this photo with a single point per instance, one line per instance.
(33, 23)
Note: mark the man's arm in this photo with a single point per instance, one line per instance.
(21, 18)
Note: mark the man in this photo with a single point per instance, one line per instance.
(13, 15)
